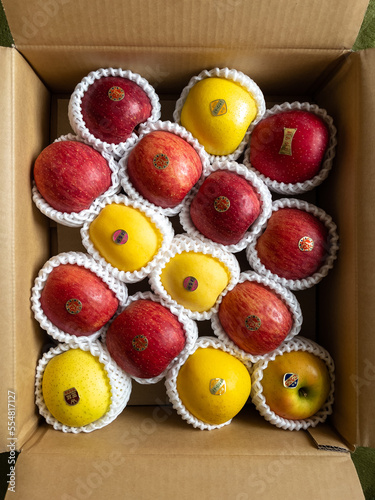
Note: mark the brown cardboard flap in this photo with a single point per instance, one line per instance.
(186, 23)
(347, 296)
(168, 69)
(152, 447)
(24, 104)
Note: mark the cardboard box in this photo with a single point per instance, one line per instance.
(294, 51)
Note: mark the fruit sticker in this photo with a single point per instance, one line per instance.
(290, 380)
(140, 343)
(160, 161)
(306, 244)
(190, 283)
(116, 93)
(218, 107)
(221, 204)
(71, 396)
(73, 306)
(286, 147)
(217, 386)
(253, 323)
(120, 237)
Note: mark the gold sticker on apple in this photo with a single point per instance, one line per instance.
(73, 306)
(306, 244)
(190, 283)
(290, 380)
(286, 147)
(140, 343)
(221, 204)
(218, 107)
(160, 161)
(253, 323)
(116, 93)
(217, 386)
(71, 396)
(120, 237)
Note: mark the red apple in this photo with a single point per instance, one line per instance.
(113, 106)
(255, 318)
(163, 167)
(289, 146)
(145, 338)
(70, 175)
(294, 244)
(77, 301)
(224, 207)
(296, 384)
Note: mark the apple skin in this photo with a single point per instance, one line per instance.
(308, 146)
(70, 175)
(219, 223)
(113, 117)
(154, 325)
(255, 318)
(71, 281)
(166, 184)
(311, 392)
(278, 247)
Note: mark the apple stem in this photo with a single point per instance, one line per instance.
(303, 393)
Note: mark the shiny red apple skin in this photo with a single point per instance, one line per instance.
(112, 117)
(279, 246)
(70, 175)
(71, 282)
(224, 207)
(255, 318)
(308, 146)
(145, 323)
(163, 168)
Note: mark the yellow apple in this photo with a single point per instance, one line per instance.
(195, 280)
(296, 384)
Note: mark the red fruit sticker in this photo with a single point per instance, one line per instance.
(73, 306)
(286, 147)
(160, 161)
(221, 204)
(120, 237)
(190, 283)
(306, 244)
(140, 343)
(290, 380)
(71, 396)
(218, 107)
(253, 323)
(217, 386)
(116, 93)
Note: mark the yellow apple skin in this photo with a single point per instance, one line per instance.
(211, 277)
(311, 392)
(144, 238)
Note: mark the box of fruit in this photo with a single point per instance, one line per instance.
(186, 249)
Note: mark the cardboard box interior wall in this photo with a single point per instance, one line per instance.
(293, 52)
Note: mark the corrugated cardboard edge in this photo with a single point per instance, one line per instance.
(346, 324)
(24, 240)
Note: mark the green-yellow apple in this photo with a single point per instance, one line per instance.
(296, 384)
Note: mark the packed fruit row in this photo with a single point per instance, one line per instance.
(174, 204)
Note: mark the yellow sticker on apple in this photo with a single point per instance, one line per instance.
(217, 386)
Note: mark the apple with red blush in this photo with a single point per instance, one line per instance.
(113, 106)
(289, 146)
(294, 244)
(163, 167)
(224, 207)
(70, 175)
(77, 301)
(145, 338)
(255, 317)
